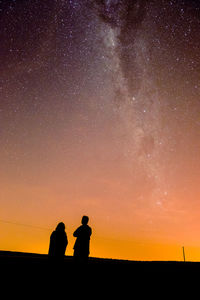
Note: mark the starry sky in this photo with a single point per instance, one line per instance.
(100, 115)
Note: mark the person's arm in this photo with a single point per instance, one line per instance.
(76, 232)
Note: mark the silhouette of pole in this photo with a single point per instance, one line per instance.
(183, 254)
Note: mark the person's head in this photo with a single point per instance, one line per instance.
(60, 226)
(85, 220)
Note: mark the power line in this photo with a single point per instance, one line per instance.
(25, 225)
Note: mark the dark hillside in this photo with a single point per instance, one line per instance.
(31, 271)
(19, 260)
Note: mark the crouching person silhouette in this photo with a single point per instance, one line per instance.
(58, 243)
(82, 243)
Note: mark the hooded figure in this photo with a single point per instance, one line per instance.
(82, 243)
(58, 242)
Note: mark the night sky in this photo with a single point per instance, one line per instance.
(100, 115)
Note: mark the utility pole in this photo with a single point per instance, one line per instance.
(183, 254)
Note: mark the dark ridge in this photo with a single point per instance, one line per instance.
(13, 257)
(32, 274)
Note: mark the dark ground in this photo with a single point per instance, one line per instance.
(34, 275)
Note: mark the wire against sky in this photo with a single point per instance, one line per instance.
(25, 225)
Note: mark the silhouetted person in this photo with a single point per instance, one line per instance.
(82, 243)
(58, 243)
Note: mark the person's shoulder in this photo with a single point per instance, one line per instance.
(53, 233)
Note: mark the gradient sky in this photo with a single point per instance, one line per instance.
(100, 115)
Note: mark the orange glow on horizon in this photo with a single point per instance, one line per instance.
(122, 237)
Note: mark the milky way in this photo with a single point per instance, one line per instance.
(135, 32)
(128, 52)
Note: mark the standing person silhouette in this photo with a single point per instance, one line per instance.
(58, 243)
(82, 243)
